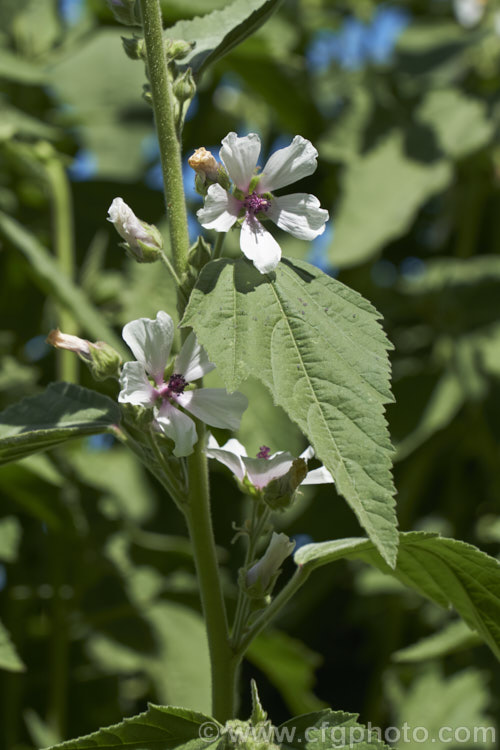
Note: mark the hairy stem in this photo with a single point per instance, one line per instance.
(63, 240)
(170, 150)
(200, 526)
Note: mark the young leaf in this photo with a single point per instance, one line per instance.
(218, 32)
(158, 728)
(445, 570)
(319, 349)
(453, 637)
(9, 658)
(328, 729)
(63, 411)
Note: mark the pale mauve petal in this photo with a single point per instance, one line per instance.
(151, 341)
(261, 471)
(288, 165)
(192, 361)
(299, 214)
(308, 453)
(227, 457)
(259, 246)
(178, 427)
(239, 156)
(136, 388)
(215, 406)
(220, 210)
(319, 476)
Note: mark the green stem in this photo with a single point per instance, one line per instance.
(63, 238)
(170, 151)
(219, 241)
(224, 665)
(294, 584)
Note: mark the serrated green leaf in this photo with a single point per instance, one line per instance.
(319, 349)
(9, 658)
(218, 32)
(328, 729)
(453, 637)
(57, 284)
(63, 411)
(382, 192)
(447, 571)
(158, 728)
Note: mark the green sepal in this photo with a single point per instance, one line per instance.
(134, 47)
(127, 12)
(199, 253)
(279, 494)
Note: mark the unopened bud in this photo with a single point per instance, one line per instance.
(134, 47)
(125, 11)
(184, 87)
(143, 242)
(199, 253)
(280, 492)
(261, 577)
(177, 49)
(103, 361)
(204, 164)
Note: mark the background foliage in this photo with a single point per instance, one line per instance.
(98, 592)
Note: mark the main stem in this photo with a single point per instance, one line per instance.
(170, 150)
(199, 520)
(198, 514)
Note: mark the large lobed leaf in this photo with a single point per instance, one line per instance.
(216, 33)
(447, 571)
(158, 728)
(318, 347)
(61, 412)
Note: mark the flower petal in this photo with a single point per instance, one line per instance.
(228, 457)
(178, 427)
(259, 246)
(239, 156)
(319, 476)
(136, 388)
(261, 471)
(288, 165)
(215, 406)
(308, 453)
(299, 214)
(150, 341)
(220, 210)
(192, 360)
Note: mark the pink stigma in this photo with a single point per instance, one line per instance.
(264, 452)
(255, 203)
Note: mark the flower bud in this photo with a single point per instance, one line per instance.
(103, 361)
(199, 253)
(134, 47)
(261, 577)
(177, 49)
(184, 87)
(125, 11)
(143, 242)
(204, 164)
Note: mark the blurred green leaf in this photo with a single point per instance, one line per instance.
(458, 702)
(63, 411)
(54, 282)
(290, 666)
(218, 32)
(9, 658)
(455, 636)
(10, 537)
(444, 570)
(382, 192)
(13, 67)
(319, 349)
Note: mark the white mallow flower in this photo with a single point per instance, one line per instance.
(265, 467)
(143, 383)
(251, 198)
(266, 570)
